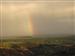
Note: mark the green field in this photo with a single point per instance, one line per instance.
(28, 40)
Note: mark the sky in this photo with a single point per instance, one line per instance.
(26, 18)
(37, 0)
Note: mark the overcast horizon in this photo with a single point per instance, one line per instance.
(37, 18)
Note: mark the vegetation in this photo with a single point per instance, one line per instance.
(40, 50)
(64, 46)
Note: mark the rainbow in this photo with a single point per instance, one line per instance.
(30, 26)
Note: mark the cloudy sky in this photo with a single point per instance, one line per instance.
(37, 18)
(37, 0)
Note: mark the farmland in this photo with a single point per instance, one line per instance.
(32, 46)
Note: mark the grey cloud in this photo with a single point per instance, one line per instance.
(53, 19)
(47, 18)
